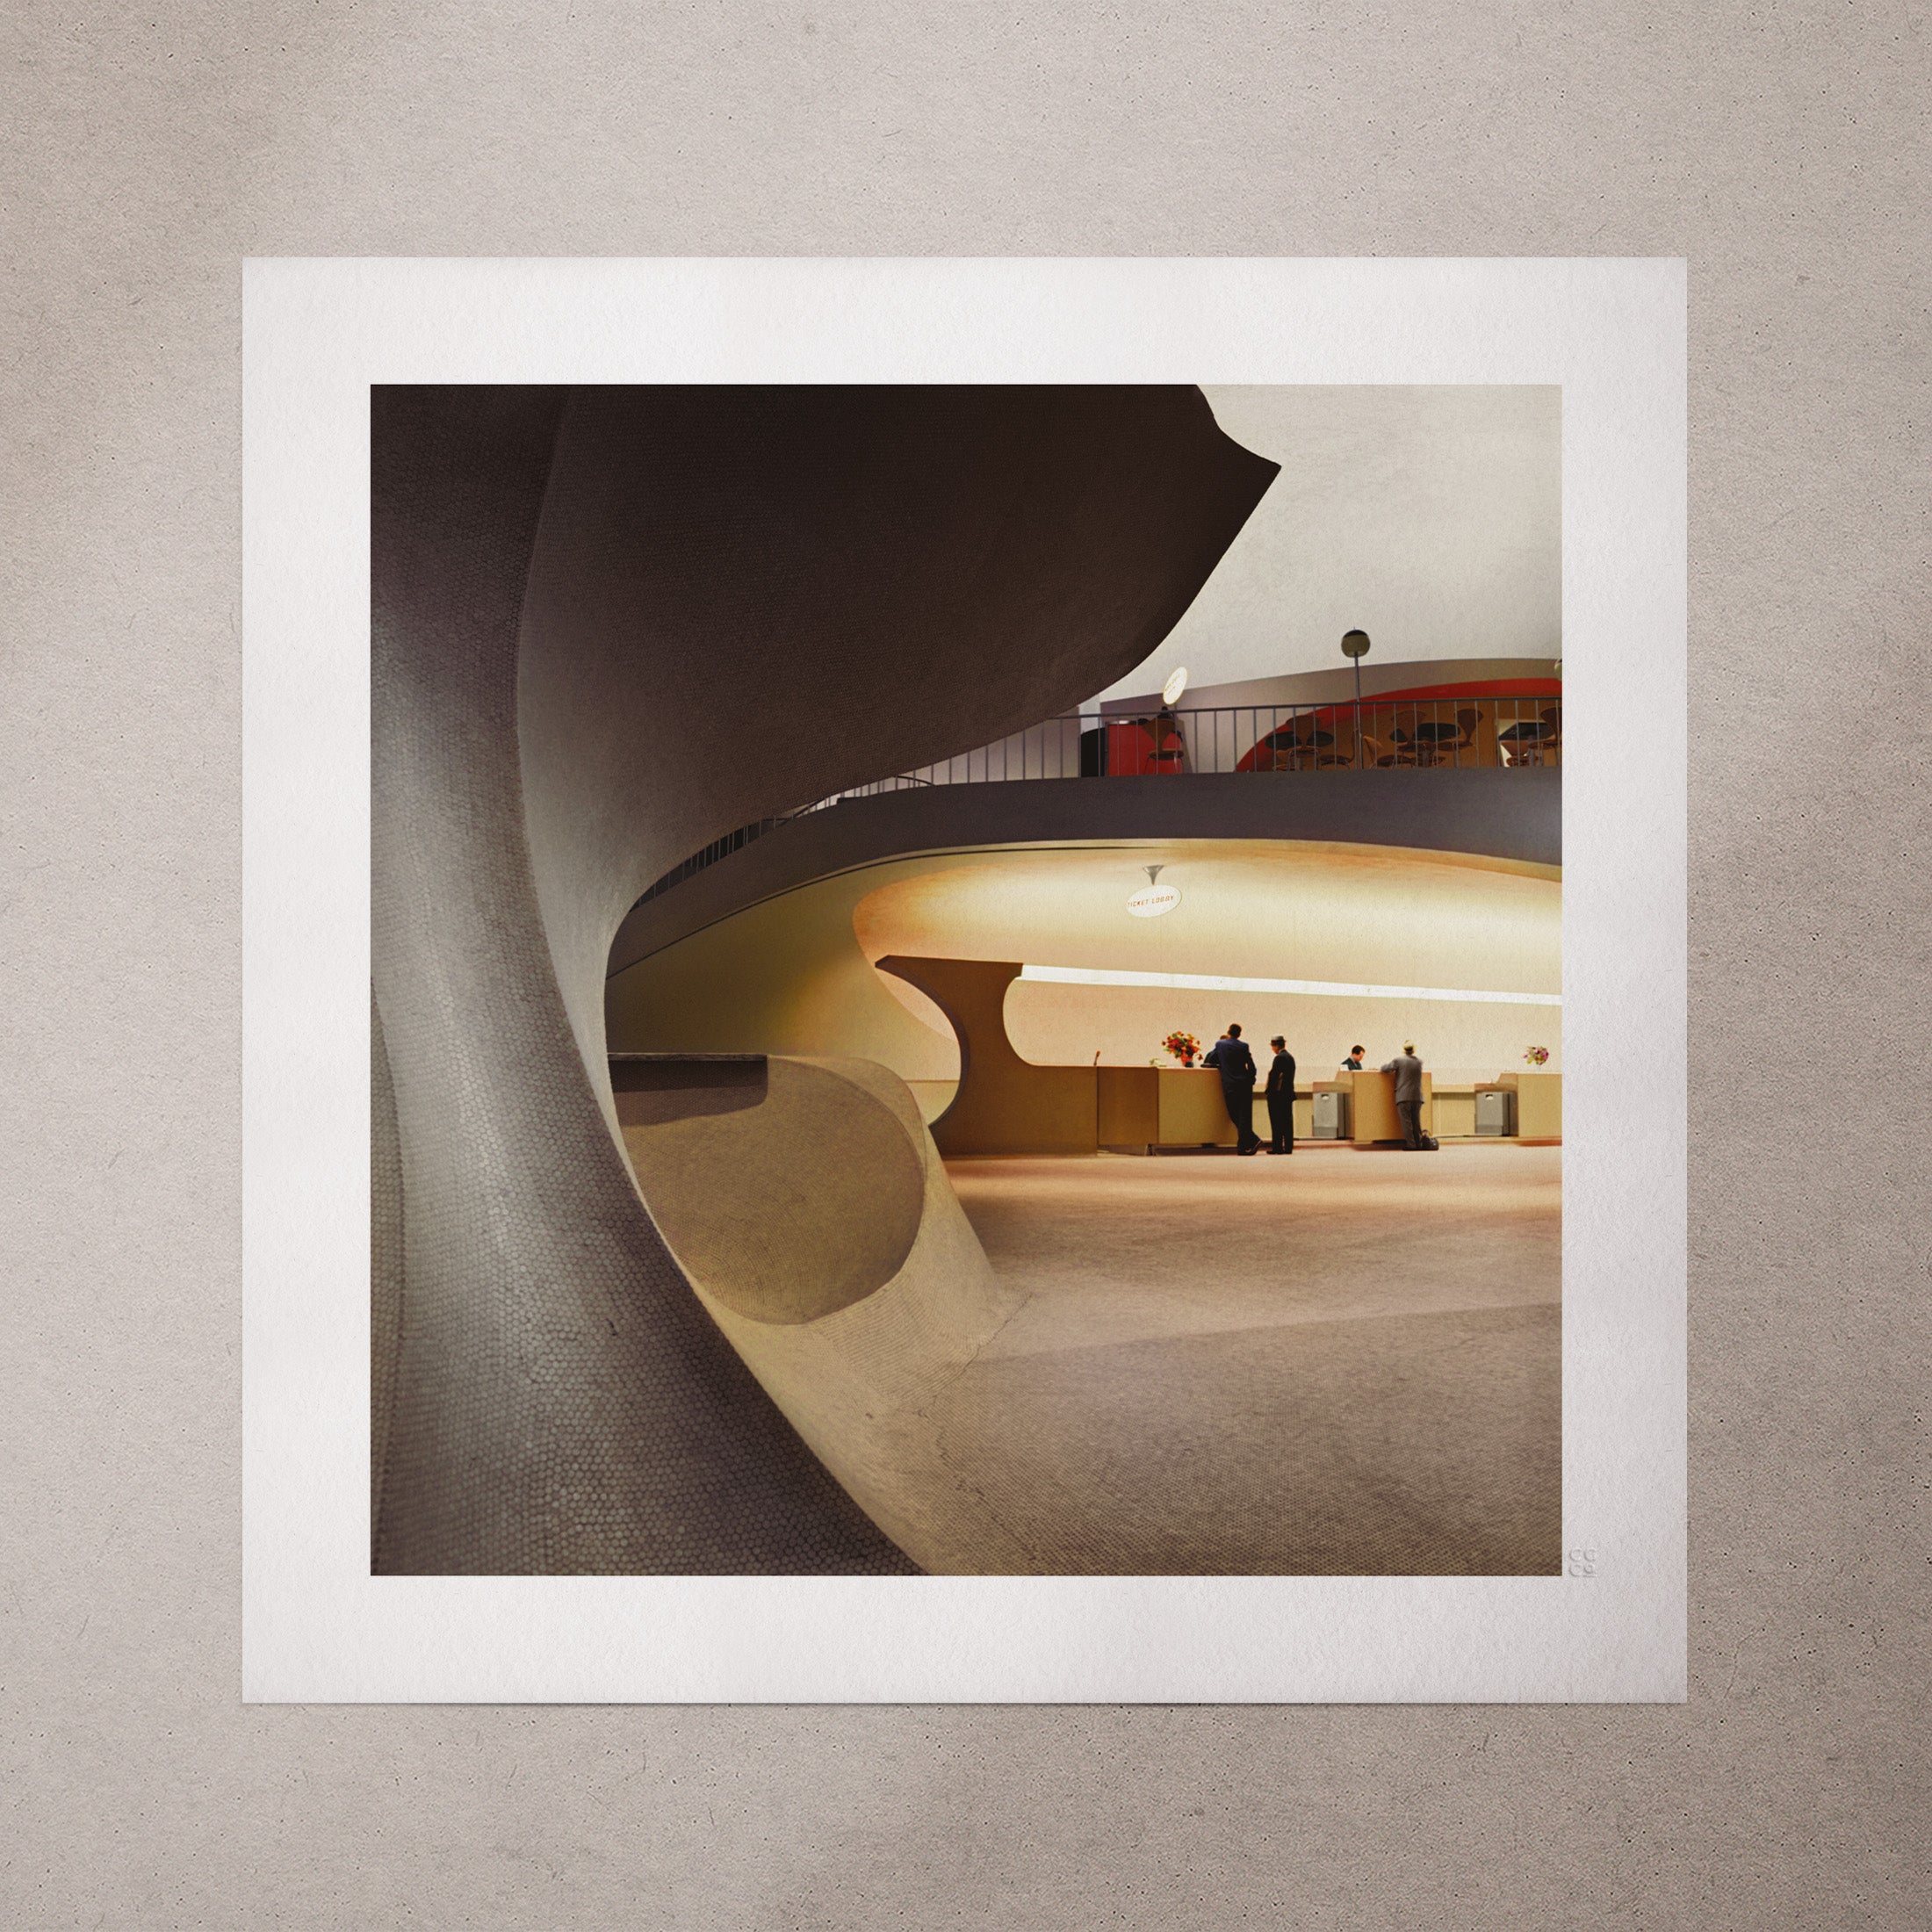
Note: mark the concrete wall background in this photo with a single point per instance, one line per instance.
(785, 977)
(1125, 1025)
(1780, 152)
(843, 1270)
(562, 1403)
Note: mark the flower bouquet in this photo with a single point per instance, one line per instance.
(1537, 1055)
(1184, 1047)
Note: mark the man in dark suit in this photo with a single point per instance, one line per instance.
(1281, 1098)
(1408, 1071)
(1229, 1057)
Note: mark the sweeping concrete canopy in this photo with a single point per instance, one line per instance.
(607, 626)
(1430, 516)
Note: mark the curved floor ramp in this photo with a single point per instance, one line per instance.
(608, 625)
(802, 1199)
(1344, 1406)
(788, 1189)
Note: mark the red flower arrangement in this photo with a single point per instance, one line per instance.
(1537, 1055)
(1184, 1047)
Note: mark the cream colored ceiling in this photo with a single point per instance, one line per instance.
(792, 975)
(1430, 516)
(1249, 909)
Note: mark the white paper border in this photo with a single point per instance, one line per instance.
(316, 1626)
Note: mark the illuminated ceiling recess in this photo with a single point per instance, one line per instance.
(1223, 983)
(1154, 898)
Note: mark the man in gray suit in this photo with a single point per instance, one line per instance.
(1408, 1071)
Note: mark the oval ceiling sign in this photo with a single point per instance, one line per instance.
(1152, 900)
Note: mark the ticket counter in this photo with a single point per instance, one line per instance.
(1143, 1108)
(1537, 1105)
(1372, 1107)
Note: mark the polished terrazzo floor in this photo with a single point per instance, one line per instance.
(1340, 1363)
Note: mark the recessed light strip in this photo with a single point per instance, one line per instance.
(1218, 983)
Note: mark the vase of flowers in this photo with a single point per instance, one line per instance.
(1184, 1047)
(1537, 1055)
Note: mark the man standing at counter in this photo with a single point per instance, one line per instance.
(1281, 1098)
(1229, 1057)
(1408, 1071)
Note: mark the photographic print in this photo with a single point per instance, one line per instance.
(957, 976)
(967, 980)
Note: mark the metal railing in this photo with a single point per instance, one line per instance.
(1497, 733)
(1385, 733)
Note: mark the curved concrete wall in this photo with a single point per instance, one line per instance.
(386, 1263)
(786, 976)
(824, 1180)
(1004, 1105)
(605, 626)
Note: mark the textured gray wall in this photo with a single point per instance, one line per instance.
(641, 616)
(1782, 151)
(562, 1403)
(386, 1263)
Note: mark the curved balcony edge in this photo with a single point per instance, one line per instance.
(1509, 813)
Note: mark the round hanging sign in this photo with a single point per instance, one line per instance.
(1152, 900)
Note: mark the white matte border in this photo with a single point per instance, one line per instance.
(316, 1626)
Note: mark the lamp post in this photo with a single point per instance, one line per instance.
(1355, 646)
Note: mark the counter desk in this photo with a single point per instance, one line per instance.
(1143, 1109)
(1536, 1105)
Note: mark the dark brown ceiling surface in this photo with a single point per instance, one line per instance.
(606, 624)
(745, 599)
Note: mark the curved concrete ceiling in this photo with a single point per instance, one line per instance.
(1249, 909)
(1345, 917)
(1430, 517)
(793, 973)
(1511, 815)
(743, 599)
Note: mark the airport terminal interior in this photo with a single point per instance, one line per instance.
(820, 837)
